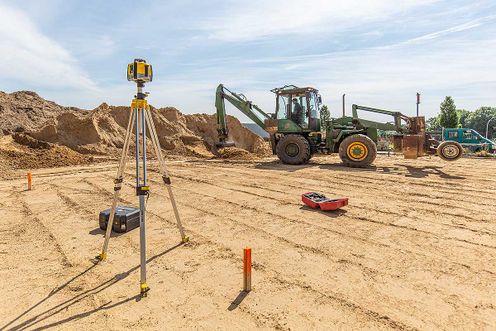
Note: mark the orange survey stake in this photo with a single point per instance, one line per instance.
(247, 269)
(30, 180)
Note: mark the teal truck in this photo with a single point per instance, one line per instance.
(469, 139)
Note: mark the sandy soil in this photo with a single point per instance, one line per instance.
(415, 248)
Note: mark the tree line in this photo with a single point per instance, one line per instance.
(451, 117)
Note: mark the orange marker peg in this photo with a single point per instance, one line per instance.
(247, 269)
(30, 180)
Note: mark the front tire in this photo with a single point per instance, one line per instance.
(450, 150)
(357, 151)
(293, 149)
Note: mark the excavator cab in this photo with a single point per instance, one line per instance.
(297, 109)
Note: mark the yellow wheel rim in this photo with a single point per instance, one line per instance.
(357, 151)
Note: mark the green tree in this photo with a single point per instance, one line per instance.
(448, 118)
(478, 119)
(433, 124)
(462, 117)
(325, 115)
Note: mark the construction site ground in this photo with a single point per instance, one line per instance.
(414, 249)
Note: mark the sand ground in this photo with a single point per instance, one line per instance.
(415, 248)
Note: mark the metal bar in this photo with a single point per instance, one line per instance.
(137, 150)
(238, 96)
(127, 143)
(142, 242)
(344, 105)
(155, 142)
(418, 103)
(487, 126)
(143, 132)
(117, 187)
(245, 106)
(165, 174)
(176, 214)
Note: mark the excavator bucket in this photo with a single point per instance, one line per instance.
(222, 144)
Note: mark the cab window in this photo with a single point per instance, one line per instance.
(299, 109)
(468, 135)
(314, 106)
(283, 107)
(453, 134)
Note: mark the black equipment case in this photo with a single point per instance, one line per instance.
(125, 219)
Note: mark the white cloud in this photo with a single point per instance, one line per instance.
(32, 58)
(457, 28)
(255, 19)
(385, 77)
(428, 55)
(390, 76)
(457, 64)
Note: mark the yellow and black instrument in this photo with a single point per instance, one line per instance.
(139, 71)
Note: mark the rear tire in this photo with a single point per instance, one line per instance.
(357, 151)
(293, 149)
(450, 150)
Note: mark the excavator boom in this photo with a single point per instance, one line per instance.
(239, 101)
(398, 117)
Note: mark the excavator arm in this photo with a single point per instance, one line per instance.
(239, 101)
(398, 117)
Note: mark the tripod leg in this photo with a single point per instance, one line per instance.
(143, 284)
(117, 188)
(165, 174)
(141, 130)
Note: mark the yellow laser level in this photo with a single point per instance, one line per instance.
(139, 71)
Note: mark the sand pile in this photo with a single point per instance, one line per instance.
(27, 111)
(102, 130)
(20, 151)
(205, 126)
(235, 153)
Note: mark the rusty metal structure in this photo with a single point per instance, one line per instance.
(411, 137)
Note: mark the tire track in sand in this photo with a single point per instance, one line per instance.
(329, 295)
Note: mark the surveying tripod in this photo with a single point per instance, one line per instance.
(140, 117)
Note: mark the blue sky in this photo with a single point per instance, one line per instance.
(378, 52)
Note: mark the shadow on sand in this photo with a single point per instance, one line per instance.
(397, 170)
(329, 213)
(241, 296)
(98, 231)
(31, 322)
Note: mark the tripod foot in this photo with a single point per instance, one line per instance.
(185, 239)
(144, 289)
(101, 257)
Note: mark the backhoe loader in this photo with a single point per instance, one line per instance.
(296, 133)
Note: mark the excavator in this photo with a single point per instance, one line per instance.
(295, 129)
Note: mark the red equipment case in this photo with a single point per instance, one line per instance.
(316, 200)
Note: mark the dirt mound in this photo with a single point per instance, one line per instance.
(235, 153)
(92, 132)
(20, 151)
(205, 126)
(27, 111)
(102, 130)
(24, 139)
